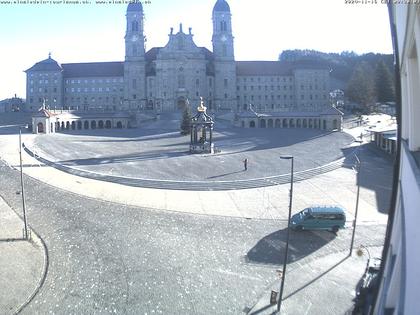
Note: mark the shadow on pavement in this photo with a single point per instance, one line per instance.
(270, 250)
(376, 173)
(317, 277)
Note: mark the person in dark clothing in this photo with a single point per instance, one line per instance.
(245, 164)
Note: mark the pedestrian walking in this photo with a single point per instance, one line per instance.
(245, 164)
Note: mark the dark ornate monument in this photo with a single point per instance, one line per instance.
(201, 131)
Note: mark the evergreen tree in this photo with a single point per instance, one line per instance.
(360, 88)
(384, 84)
(186, 121)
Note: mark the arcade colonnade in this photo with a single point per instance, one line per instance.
(311, 123)
(48, 122)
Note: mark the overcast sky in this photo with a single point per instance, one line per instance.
(262, 30)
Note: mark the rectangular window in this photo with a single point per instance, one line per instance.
(225, 83)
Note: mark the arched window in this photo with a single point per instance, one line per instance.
(86, 124)
(291, 123)
(93, 124)
(252, 124)
(108, 124)
(101, 124)
(134, 26)
(40, 127)
(181, 81)
(223, 26)
(262, 123)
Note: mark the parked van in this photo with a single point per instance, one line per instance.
(319, 218)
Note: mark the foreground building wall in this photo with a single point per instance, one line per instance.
(400, 285)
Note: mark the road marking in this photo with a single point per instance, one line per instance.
(237, 274)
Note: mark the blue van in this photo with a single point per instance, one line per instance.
(319, 218)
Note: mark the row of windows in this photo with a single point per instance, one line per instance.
(41, 100)
(45, 90)
(266, 97)
(266, 87)
(266, 79)
(85, 99)
(41, 75)
(45, 81)
(78, 81)
(311, 97)
(302, 87)
(265, 107)
(93, 89)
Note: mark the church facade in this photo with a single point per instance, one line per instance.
(176, 75)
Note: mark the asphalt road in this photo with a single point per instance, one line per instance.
(110, 258)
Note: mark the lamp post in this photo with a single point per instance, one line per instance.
(358, 167)
(25, 231)
(288, 232)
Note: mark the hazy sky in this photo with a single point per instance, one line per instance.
(262, 29)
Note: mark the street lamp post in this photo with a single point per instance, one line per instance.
(288, 233)
(358, 167)
(25, 231)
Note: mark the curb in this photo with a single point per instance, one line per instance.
(197, 185)
(39, 240)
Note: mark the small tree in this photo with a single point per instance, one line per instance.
(186, 121)
(384, 84)
(360, 88)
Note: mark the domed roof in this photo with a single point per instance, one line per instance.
(135, 6)
(221, 6)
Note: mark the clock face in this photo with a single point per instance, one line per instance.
(223, 38)
(134, 38)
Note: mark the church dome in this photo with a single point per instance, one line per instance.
(135, 6)
(221, 6)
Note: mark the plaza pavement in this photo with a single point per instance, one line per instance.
(335, 187)
(23, 264)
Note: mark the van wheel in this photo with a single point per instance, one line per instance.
(335, 229)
